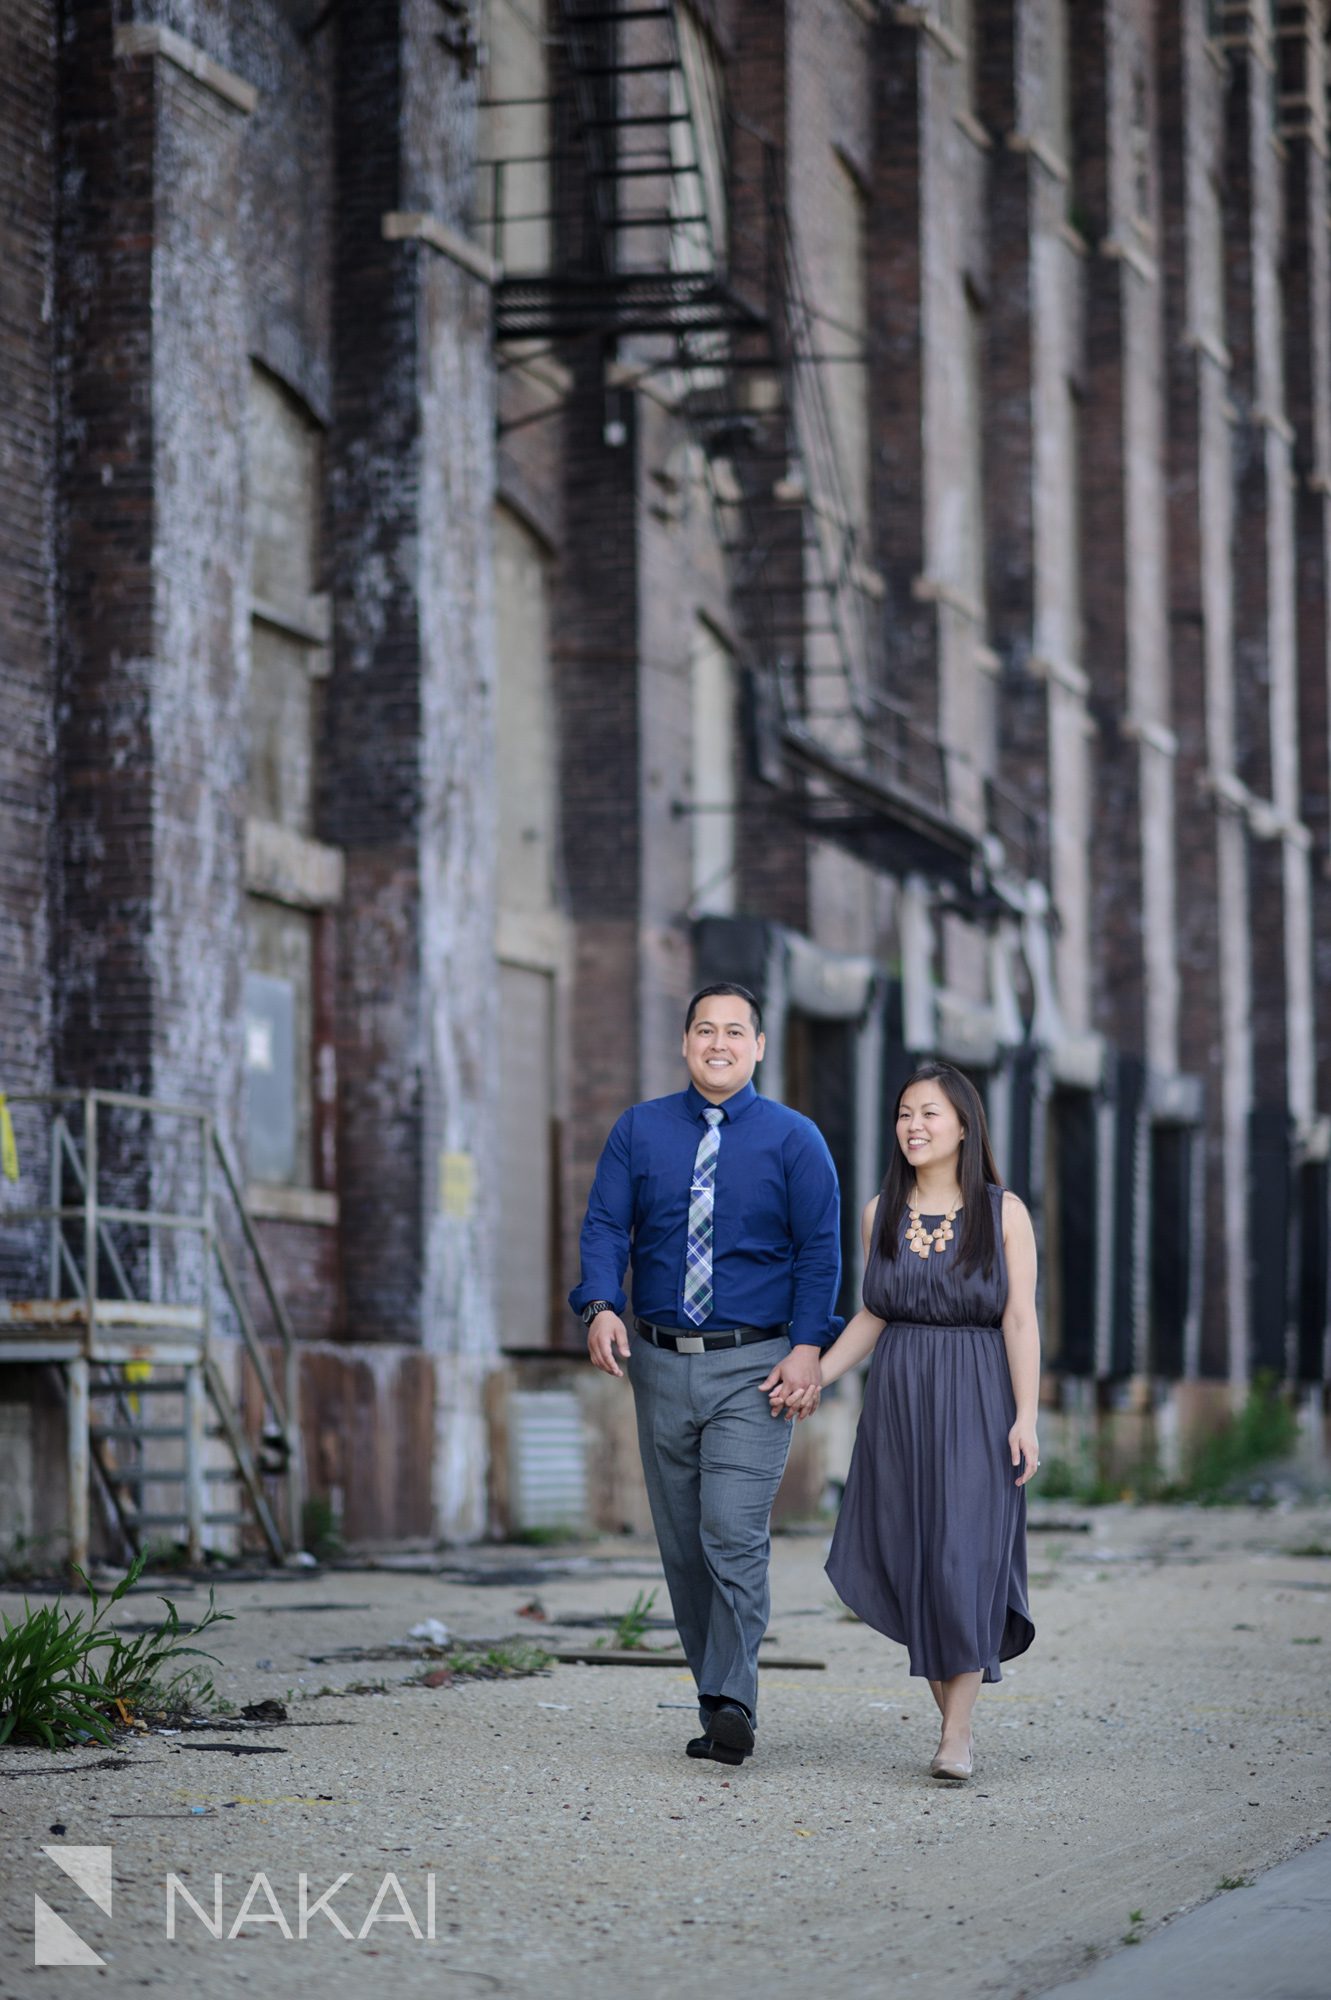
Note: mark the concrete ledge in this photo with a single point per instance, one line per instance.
(138, 38)
(291, 1204)
(1039, 149)
(419, 228)
(311, 620)
(1137, 261)
(290, 868)
(1144, 729)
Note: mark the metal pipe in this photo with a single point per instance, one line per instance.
(76, 1422)
(195, 1411)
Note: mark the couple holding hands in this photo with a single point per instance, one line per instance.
(728, 1207)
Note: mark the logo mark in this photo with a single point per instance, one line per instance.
(54, 1942)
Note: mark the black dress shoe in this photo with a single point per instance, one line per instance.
(720, 1753)
(731, 1729)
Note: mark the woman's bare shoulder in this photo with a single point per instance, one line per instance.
(1015, 1213)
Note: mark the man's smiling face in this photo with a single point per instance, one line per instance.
(721, 1046)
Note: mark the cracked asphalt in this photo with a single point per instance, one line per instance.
(1167, 1736)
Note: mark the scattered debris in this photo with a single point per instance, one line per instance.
(242, 1749)
(640, 1656)
(264, 1711)
(535, 1609)
(441, 1677)
(432, 1630)
(71, 1770)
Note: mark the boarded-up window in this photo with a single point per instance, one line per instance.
(528, 777)
(288, 660)
(528, 919)
(713, 705)
(841, 331)
(513, 182)
(526, 1156)
(698, 148)
(279, 1059)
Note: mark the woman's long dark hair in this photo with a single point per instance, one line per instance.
(977, 1245)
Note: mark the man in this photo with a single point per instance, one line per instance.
(728, 1205)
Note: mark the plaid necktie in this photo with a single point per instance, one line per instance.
(702, 1200)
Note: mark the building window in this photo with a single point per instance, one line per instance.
(957, 18)
(971, 396)
(528, 777)
(698, 148)
(841, 332)
(513, 184)
(529, 935)
(713, 707)
(291, 878)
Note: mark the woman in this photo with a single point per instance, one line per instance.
(930, 1545)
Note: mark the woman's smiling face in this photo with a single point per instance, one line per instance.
(929, 1129)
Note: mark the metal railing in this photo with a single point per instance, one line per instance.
(82, 1250)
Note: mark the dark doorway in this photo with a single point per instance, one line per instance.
(819, 1059)
(1270, 1192)
(1071, 1235)
(1171, 1247)
(1314, 1268)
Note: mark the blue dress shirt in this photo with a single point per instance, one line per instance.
(776, 1245)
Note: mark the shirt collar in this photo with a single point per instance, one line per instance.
(695, 1103)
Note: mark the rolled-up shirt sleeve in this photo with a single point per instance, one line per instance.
(815, 1229)
(607, 1225)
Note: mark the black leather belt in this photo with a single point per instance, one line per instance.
(704, 1343)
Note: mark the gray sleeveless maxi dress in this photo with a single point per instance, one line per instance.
(930, 1543)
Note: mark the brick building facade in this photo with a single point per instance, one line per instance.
(511, 509)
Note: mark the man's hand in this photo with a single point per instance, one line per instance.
(607, 1333)
(795, 1385)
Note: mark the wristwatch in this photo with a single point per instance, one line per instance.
(588, 1313)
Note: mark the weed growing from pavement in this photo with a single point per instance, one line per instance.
(1317, 1550)
(54, 1691)
(1219, 1470)
(29, 1557)
(628, 1634)
(321, 1528)
(1133, 1935)
(511, 1660)
(1234, 1882)
(514, 1660)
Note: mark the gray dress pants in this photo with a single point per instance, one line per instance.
(713, 1456)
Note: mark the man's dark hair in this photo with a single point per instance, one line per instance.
(725, 986)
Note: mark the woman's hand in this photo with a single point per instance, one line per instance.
(1023, 1444)
(795, 1400)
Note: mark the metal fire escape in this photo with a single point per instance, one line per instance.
(686, 270)
(136, 1281)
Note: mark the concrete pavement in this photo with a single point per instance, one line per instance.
(1169, 1732)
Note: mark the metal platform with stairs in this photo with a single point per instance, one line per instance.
(140, 1292)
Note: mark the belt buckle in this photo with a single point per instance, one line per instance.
(690, 1343)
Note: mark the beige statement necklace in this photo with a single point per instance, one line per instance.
(926, 1241)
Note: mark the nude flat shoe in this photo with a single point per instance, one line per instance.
(951, 1769)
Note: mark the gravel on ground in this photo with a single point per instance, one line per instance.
(1165, 1741)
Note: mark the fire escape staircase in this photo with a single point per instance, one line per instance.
(153, 1433)
(645, 261)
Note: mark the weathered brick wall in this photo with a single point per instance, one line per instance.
(595, 662)
(102, 983)
(27, 536)
(682, 578)
(1211, 942)
(774, 876)
(408, 790)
